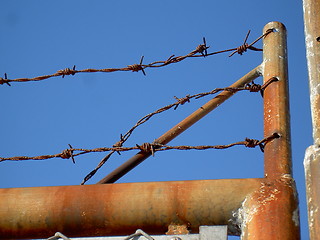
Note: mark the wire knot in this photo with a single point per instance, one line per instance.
(258, 88)
(181, 101)
(67, 71)
(4, 80)
(119, 143)
(146, 147)
(137, 67)
(68, 153)
(202, 48)
(252, 143)
(243, 48)
(253, 87)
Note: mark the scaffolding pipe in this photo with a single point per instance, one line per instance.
(182, 126)
(272, 212)
(312, 156)
(120, 209)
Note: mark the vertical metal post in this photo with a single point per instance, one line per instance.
(277, 153)
(312, 157)
(272, 211)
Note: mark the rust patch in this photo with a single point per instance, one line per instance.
(174, 229)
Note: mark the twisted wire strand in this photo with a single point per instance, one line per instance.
(146, 147)
(180, 101)
(117, 147)
(200, 51)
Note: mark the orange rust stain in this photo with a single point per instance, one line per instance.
(174, 229)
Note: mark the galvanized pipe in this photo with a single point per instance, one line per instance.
(182, 126)
(312, 157)
(272, 211)
(120, 209)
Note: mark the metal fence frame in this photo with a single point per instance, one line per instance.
(259, 208)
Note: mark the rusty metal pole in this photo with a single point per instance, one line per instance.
(120, 209)
(182, 126)
(276, 103)
(312, 156)
(272, 212)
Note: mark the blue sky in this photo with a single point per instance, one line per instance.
(91, 110)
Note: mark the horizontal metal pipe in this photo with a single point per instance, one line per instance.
(182, 126)
(119, 209)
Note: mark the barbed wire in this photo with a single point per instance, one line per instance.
(253, 87)
(200, 51)
(117, 147)
(145, 147)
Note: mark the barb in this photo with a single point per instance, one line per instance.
(202, 48)
(68, 153)
(181, 101)
(149, 147)
(68, 71)
(137, 67)
(200, 51)
(253, 87)
(245, 46)
(5, 80)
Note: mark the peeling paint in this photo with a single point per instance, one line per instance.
(246, 212)
(243, 215)
(314, 91)
(313, 211)
(260, 69)
(264, 198)
(309, 44)
(311, 160)
(295, 217)
(286, 177)
(311, 151)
